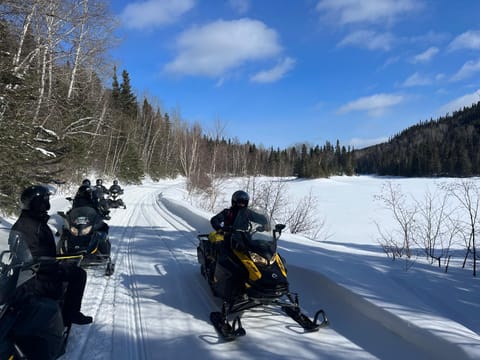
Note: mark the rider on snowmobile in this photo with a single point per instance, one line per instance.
(32, 226)
(223, 221)
(102, 189)
(115, 188)
(86, 196)
(227, 220)
(115, 191)
(99, 192)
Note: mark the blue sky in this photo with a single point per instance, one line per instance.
(283, 72)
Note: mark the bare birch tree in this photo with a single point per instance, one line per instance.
(467, 192)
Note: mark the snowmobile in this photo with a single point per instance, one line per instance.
(244, 270)
(31, 327)
(113, 200)
(84, 233)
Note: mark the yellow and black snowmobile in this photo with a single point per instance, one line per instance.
(244, 269)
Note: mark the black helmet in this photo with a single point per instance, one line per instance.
(86, 182)
(115, 182)
(240, 197)
(36, 198)
(99, 182)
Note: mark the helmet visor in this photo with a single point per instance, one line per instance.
(242, 202)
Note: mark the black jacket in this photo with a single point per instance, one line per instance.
(224, 219)
(115, 189)
(33, 228)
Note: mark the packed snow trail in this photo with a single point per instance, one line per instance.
(157, 305)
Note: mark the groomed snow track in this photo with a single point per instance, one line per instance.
(156, 304)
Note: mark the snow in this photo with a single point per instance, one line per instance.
(156, 305)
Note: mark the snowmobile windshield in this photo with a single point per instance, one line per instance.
(16, 265)
(249, 220)
(254, 227)
(83, 215)
(19, 250)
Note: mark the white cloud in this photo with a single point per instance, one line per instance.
(153, 13)
(425, 56)
(369, 40)
(275, 73)
(371, 11)
(459, 103)
(374, 105)
(417, 80)
(240, 6)
(467, 70)
(467, 40)
(215, 48)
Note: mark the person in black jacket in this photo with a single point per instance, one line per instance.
(223, 221)
(84, 197)
(32, 226)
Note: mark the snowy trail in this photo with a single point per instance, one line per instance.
(156, 304)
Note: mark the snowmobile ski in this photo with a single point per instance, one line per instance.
(304, 321)
(227, 331)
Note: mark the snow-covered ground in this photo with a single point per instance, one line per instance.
(156, 305)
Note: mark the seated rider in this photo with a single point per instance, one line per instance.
(84, 197)
(114, 191)
(235, 218)
(99, 192)
(115, 188)
(100, 188)
(33, 227)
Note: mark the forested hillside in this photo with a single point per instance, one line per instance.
(448, 146)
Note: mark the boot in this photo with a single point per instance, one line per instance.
(81, 319)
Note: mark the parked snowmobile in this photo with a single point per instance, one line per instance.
(113, 199)
(31, 327)
(85, 233)
(252, 275)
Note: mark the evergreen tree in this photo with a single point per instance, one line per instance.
(128, 100)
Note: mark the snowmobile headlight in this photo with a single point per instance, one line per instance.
(74, 231)
(260, 260)
(86, 230)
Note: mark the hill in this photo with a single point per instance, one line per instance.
(448, 146)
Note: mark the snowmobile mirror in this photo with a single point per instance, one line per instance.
(7, 255)
(278, 229)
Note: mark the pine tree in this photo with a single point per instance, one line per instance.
(128, 100)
